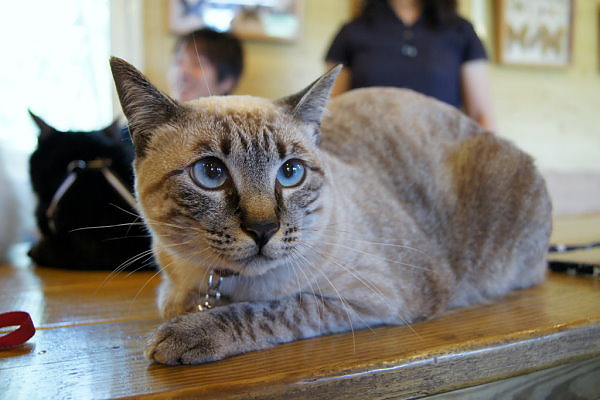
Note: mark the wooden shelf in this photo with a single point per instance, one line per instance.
(92, 330)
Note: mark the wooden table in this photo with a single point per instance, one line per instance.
(541, 342)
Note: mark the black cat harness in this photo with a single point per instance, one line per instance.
(74, 170)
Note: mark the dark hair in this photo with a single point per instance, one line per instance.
(223, 50)
(436, 12)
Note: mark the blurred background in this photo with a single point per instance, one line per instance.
(55, 62)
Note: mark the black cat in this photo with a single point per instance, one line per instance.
(85, 222)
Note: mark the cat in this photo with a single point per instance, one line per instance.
(91, 227)
(383, 207)
(10, 211)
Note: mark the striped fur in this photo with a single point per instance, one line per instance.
(407, 209)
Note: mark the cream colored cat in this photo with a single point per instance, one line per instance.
(387, 207)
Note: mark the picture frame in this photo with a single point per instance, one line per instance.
(356, 7)
(270, 20)
(535, 33)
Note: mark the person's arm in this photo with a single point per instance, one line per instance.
(477, 97)
(340, 52)
(342, 83)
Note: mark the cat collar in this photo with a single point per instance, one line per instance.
(213, 293)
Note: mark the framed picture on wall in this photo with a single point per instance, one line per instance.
(534, 32)
(276, 20)
(356, 7)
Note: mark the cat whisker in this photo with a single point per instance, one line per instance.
(377, 256)
(368, 284)
(200, 63)
(126, 237)
(122, 267)
(339, 295)
(160, 270)
(395, 245)
(129, 224)
(131, 260)
(298, 255)
(152, 222)
(137, 216)
(148, 255)
(345, 306)
(294, 265)
(125, 211)
(146, 263)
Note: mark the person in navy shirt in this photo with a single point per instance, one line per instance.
(422, 45)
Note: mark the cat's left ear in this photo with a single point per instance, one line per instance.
(45, 129)
(145, 107)
(309, 104)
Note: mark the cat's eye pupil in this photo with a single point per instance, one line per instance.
(289, 169)
(213, 170)
(209, 173)
(291, 173)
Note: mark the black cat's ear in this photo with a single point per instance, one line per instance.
(45, 129)
(113, 131)
(309, 104)
(145, 107)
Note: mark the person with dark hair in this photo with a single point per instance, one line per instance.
(205, 63)
(422, 45)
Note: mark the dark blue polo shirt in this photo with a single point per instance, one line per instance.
(382, 51)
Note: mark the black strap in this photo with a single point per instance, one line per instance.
(573, 267)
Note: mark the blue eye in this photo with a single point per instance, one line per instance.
(209, 173)
(291, 173)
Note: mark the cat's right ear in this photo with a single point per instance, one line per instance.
(144, 105)
(45, 129)
(309, 104)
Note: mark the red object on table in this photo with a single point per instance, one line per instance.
(23, 333)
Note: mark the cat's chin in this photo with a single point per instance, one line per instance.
(255, 265)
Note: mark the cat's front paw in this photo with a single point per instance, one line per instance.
(186, 339)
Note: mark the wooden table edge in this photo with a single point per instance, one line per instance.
(420, 374)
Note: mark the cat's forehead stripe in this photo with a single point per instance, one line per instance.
(225, 145)
(243, 141)
(267, 139)
(281, 149)
(204, 147)
(298, 148)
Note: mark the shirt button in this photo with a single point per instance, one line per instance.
(409, 50)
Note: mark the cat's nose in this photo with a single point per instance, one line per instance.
(261, 231)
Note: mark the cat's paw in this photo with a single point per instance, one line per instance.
(186, 339)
